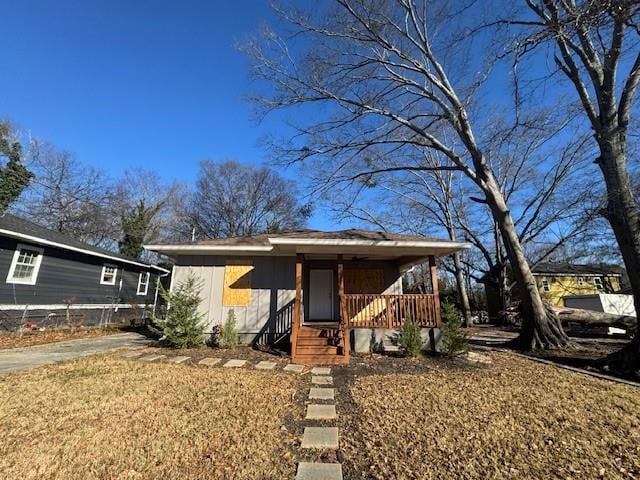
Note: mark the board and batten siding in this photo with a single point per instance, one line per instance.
(66, 274)
(267, 318)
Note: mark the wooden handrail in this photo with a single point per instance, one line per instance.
(364, 310)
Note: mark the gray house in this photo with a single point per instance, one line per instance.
(323, 293)
(49, 278)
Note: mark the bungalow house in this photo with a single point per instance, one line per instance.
(311, 289)
(49, 279)
(558, 281)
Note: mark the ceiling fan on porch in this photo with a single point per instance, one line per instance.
(355, 258)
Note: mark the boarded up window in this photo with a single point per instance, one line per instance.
(237, 285)
(363, 280)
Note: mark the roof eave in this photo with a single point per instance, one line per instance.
(50, 243)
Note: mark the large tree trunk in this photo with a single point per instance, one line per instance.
(622, 214)
(541, 327)
(463, 297)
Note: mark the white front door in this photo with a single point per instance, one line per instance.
(320, 295)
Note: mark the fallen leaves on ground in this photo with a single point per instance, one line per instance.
(13, 340)
(512, 419)
(106, 417)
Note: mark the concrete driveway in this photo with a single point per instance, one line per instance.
(17, 359)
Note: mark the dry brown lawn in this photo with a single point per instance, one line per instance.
(106, 417)
(514, 419)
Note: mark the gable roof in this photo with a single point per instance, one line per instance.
(576, 269)
(312, 241)
(23, 229)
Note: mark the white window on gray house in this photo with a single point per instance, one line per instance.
(143, 283)
(597, 282)
(109, 273)
(545, 285)
(25, 265)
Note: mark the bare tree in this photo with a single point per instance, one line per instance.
(232, 199)
(396, 77)
(69, 197)
(596, 47)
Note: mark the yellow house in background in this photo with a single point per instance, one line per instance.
(556, 281)
(559, 280)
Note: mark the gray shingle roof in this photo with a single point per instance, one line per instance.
(23, 226)
(352, 234)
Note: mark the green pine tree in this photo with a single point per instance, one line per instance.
(135, 227)
(182, 325)
(14, 176)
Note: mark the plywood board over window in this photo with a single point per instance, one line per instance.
(237, 285)
(364, 280)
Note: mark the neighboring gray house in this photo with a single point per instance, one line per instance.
(43, 273)
(311, 288)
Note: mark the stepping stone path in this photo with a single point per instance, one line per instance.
(266, 365)
(179, 359)
(322, 380)
(292, 367)
(319, 471)
(209, 361)
(321, 371)
(235, 363)
(322, 393)
(321, 412)
(319, 438)
(151, 358)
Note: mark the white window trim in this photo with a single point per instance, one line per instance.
(146, 284)
(580, 281)
(546, 287)
(598, 283)
(14, 263)
(115, 274)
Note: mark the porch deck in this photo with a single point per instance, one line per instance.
(329, 342)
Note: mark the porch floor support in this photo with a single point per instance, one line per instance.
(344, 321)
(297, 307)
(434, 287)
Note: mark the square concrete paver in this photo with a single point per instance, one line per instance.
(322, 380)
(322, 394)
(132, 354)
(320, 437)
(292, 367)
(151, 358)
(179, 359)
(266, 365)
(235, 363)
(319, 471)
(321, 371)
(321, 412)
(209, 361)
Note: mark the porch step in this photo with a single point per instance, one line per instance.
(311, 359)
(317, 349)
(314, 341)
(312, 332)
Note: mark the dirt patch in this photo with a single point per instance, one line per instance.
(29, 339)
(107, 417)
(511, 419)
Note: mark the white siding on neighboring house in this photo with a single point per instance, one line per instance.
(614, 303)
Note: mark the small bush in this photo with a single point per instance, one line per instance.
(228, 332)
(454, 340)
(409, 339)
(182, 324)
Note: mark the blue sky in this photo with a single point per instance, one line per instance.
(155, 84)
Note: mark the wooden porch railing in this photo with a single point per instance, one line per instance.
(364, 310)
